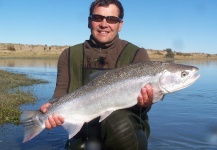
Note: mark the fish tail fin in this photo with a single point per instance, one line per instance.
(32, 127)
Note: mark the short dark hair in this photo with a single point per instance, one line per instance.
(107, 3)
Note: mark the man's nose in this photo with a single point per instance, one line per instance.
(104, 23)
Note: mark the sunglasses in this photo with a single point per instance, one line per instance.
(109, 19)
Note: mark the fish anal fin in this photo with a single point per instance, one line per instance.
(72, 127)
(105, 115)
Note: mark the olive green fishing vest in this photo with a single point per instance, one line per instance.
(78, 75)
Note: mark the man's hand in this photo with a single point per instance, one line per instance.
(53, 120)
(145, 97)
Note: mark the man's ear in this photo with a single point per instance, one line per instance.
(89, 24)
(120, 25)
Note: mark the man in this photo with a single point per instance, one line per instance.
(123, 129)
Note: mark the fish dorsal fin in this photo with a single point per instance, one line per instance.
(105, 115)
(72, 127)
(97, 73)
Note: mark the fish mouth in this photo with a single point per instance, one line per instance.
(194, 77)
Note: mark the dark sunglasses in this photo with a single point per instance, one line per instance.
(109, 19)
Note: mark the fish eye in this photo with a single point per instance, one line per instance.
(184, 73)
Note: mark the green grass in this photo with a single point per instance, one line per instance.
(11, 97)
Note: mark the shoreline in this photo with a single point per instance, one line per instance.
(55, 55)
(29, 55)
(10, 50)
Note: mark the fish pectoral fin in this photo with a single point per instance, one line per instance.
(72, 127)
(162, 98)
(158, 96)
(105, 115)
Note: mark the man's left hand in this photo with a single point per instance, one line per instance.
(145, 97)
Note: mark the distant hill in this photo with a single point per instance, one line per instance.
(25, 50)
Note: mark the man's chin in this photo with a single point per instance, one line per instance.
(103, 42)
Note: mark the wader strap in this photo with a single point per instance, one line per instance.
(75, 61)
(127, 55)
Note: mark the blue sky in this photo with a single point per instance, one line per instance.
(182, 25)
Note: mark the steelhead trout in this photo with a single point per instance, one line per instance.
(110, 91)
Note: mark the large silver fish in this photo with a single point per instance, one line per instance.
(113, 90)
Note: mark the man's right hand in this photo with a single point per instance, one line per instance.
(53, 120)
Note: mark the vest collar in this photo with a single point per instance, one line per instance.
(112, 44)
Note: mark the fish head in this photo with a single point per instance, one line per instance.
(177, 76)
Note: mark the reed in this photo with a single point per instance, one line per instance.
(12, 95)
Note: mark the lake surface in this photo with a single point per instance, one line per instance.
(185, 120)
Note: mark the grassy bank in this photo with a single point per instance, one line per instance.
(11, 97)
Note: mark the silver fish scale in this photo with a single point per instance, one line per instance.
(111, 77)
(134, 70)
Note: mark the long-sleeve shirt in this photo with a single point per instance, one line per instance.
(92, 52)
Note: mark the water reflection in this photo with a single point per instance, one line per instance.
(16, 62)
(184, 120)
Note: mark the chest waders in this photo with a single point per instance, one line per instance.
(78, 76)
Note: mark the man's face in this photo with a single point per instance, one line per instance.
(104, 32)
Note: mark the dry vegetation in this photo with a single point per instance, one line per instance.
(42, 51)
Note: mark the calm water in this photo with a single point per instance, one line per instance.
(185, 120)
